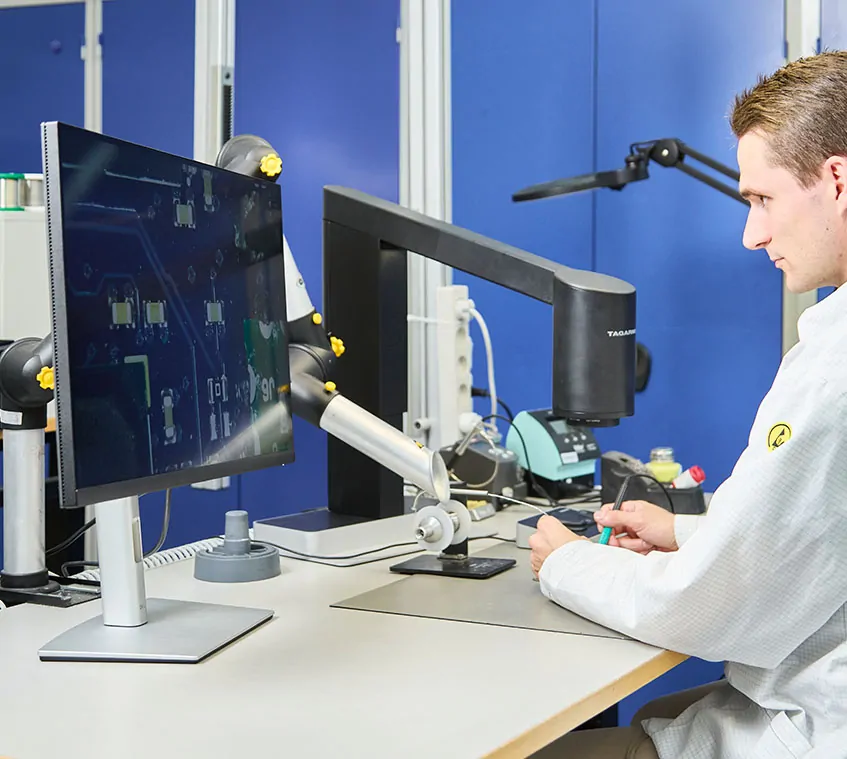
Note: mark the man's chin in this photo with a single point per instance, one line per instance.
(798, 288)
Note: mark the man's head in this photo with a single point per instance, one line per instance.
(792, 154)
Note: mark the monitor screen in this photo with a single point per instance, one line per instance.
(169, 328)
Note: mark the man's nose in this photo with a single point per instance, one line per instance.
(756, 234)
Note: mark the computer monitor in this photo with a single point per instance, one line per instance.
(170, 355)
(169, 318)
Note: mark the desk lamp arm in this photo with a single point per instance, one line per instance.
(668, 152)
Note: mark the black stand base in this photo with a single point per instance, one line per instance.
(49, 595)
(472, 567)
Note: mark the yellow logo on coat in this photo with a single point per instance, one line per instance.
(779, 435)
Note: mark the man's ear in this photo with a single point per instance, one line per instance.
(835, 171)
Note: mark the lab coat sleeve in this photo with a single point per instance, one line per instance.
(684, 526)
(766, 567)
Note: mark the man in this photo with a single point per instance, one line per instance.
(761, 580)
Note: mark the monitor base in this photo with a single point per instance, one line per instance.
(176, 632)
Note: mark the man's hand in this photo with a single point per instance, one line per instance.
(638, 526)
(550, 535)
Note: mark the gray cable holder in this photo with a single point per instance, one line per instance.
(239, 559)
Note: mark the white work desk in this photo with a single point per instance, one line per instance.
(315, 681)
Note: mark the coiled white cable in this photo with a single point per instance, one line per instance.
(160, 559)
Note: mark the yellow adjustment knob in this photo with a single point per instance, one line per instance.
(46, 378)
(337, 346)
(317, 318)
(271, 164)
(329, 387)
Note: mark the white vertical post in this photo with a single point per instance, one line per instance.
(425, 186)
(802, 33)
(23, 512)
(92, 56)
(214, 73)
(121, 563)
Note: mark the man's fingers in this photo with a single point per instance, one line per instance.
(635, 544)
(616, 519)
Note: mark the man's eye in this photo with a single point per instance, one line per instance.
(762, 200)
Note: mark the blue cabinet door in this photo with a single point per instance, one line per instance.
(833, 25)
(42, 78)
(148, 73)
(320, 81)
(709, 310)
(523, 112)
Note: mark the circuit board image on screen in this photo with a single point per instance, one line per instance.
(173, 276)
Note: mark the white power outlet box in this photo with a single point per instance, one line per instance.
(455, 357)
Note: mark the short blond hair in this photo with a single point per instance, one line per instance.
(801, 109)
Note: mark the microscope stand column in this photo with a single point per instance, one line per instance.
(23, 512)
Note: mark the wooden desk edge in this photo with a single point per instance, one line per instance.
(51, 427)
(582, 711)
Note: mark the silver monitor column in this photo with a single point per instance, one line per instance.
(133, 628)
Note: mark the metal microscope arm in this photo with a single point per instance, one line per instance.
(313, 353)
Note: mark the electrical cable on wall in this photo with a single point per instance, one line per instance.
(489, 357)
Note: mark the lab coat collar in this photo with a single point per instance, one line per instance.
(824, 315)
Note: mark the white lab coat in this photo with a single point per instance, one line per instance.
(761, 583)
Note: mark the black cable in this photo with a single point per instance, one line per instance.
(326, 559)
(67, 542)
(629, 478)
(535, 484)
(481, 392)
(77, 564)
(70, 540)
(342, 558)
(497, 537)
(74, 581)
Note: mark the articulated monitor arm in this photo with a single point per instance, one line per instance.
(313, 353)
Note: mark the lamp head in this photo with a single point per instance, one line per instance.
(634, 170)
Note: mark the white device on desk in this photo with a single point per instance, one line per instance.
(580, 522)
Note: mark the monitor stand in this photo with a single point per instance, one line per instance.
(133, 629)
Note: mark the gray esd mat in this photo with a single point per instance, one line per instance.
(510, 599)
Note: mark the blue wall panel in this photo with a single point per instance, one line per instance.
(522, 113)
(320, 81)
(148, 98)
(833, 25)
(554, 89)
(43, 81)
(42, 78)
(148, 73)
(708, 309)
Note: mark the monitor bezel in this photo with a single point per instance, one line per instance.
(71, 496)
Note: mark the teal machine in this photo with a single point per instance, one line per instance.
(561, 457)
